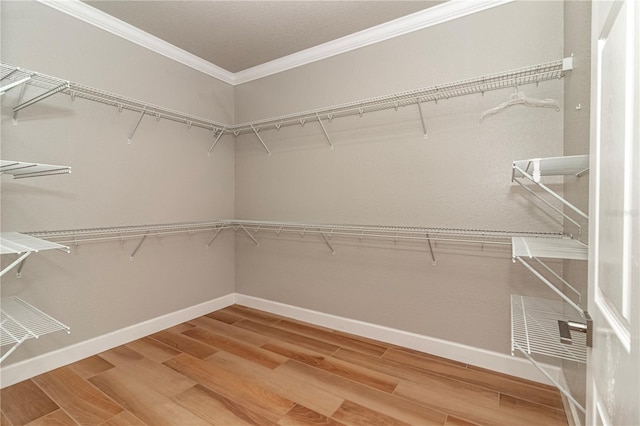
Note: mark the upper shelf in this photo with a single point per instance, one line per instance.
(551, 166)
(21, 169)
(517, 77)
(556, 248)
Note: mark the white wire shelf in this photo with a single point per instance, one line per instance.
(52, 85)
(551, 166)
(324, 231)
(535, 168)
(21, 321)
(17, 243)
(21, 169)
(535, 332)
(535, 329)
(517, 77)
(528, 250)
(563, 248)
(23, 245)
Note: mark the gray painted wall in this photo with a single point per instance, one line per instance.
(384, 172)
(164, 176)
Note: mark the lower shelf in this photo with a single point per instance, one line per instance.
(535, 329)
(21, 321)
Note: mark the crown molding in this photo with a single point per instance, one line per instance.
(439, 14)
(99, 19)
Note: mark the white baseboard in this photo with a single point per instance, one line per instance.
(31, 367)
(478, 357)
(495, 361)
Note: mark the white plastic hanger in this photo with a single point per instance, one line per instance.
(519, 98)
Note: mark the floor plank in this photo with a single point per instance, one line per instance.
(301, 393)
(300, 415)
(176, 340)
(143, 401)
(160, 377)
(287, 336)
(335, 366)
(233, 387)
(331, 337)
(57, 418)
(231, 331)
(91, 366)
(373, 399)
(356, 415)
(25, 402)
(258, 355)
(153, 349)
(83, 402)
(124, 419)
(217, 409)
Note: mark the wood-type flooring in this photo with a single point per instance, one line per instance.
(240, 366)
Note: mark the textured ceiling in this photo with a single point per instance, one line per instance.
(236, 35)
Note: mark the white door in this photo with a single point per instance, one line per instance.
(613, 369)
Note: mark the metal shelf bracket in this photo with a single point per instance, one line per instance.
(260, 138)
(137, 247)
(133, 132)
(219, 132)
(324, 130)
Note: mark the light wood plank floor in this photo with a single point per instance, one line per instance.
(240, 366)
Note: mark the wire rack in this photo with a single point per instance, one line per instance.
(517, 77)
(21, 169)
(53, 85)
(21, 321)
(534, 329)
(127, 232)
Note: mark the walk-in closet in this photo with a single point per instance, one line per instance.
(211, 205)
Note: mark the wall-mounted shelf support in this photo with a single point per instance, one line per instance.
(324, 130)
(45, 95)
(21, 258)
(534, 169)
(433, 256)
(326, 240)
(523, 248)
(138, 247)
(250, 236)
(133, 131)
(23, 245)
(21, 169)
(424, 124)
(3, 89)
(260, 139)
(215, 236)
(218, 134)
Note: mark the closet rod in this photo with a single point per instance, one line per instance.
(517, 77)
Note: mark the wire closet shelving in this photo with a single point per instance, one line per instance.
(517, 77)
(22, 170)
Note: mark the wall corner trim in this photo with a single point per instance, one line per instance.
(23, 370)
(438, 14)
(478, 357)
